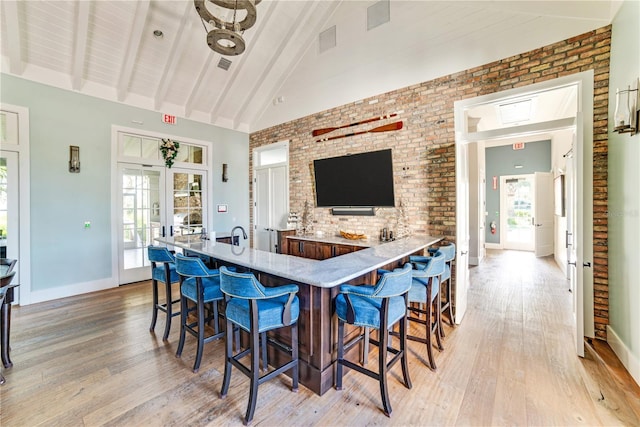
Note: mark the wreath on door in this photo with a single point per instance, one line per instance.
(169, 151)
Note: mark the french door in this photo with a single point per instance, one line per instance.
(153, 202)
(517, 200)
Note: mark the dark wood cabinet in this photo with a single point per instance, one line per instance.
(316, 249)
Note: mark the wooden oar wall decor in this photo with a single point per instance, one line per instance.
(384, 128)
(318, 132)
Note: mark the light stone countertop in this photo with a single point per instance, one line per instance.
(325, 274)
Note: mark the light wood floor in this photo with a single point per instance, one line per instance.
(90, 360)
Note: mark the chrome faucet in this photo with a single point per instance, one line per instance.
(233, 230)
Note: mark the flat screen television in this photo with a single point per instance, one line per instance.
(356, 180)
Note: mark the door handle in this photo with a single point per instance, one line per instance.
(571, 263)
(463, 253)
(566, 238)
(163, 231)
(171, 230)
(586, 264)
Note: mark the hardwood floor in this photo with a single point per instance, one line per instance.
(91, 360)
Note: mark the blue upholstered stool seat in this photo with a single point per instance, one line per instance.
(270, 312)
(425, 289)
(418, 291)
(163, 269)
(200, 285)
(211, 286)
(367, 309)
(258, 309)
(381, 307)
(446, 281)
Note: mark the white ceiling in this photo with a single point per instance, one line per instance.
(107, 49)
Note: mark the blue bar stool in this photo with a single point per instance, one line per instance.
(257, 309)
(449, 251)
(425, 289)
(380, 307)
(201, 286)
(163, 270)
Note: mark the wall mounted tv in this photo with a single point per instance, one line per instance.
(356, 180)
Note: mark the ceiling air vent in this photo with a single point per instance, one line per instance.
(378, 14)
(327, 39)
(224, 64)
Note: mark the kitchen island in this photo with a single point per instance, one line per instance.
(319, 284)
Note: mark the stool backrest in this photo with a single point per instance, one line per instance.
(240, 285)
(191, 266)
(159, 254)
(10, 263)
(435, 267)
(449, 251)
(393, 283)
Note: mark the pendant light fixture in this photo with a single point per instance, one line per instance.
(226, 35)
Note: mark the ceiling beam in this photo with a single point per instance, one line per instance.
(262, 24)
(188, 106)
(173, 60)
(12, 25)
(277, 55)
(80, 48)
(135, 37)
(295, 59)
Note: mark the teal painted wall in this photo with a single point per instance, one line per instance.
(62, 251)
(624, 196)
(499, 161)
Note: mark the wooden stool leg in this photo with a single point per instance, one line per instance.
(154, 315)
(438, 321)
(383, 342)
(201, 317)
(255, 375)
(340, 355)
(403, 348)
(169, 306)
(228, 354)
(263, 348)
(365, 346)
(183, 322)
(432, 361)
(294, 356)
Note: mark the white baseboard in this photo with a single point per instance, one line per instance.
(493, 246)
(628, 359)
(72, 290)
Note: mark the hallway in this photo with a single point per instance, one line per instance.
(90, 360)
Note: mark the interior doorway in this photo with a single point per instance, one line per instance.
(517, 204)
(558, 116)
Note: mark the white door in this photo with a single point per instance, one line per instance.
(141, 218)
(462, 229)
(517, 199)
(583, 241)
(271, 205)
(10, 211)
(155, 202)
(262, 226)
(543, 218)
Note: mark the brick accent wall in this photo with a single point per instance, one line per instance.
(424, 151)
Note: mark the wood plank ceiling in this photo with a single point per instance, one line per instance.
(107, 49)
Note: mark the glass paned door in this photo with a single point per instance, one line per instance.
(517, 200)
(187, 202)
(141, 218)
(9, 206)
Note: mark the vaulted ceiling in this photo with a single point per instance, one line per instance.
(106, 48)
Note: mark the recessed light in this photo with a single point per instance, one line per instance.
(158, 34)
